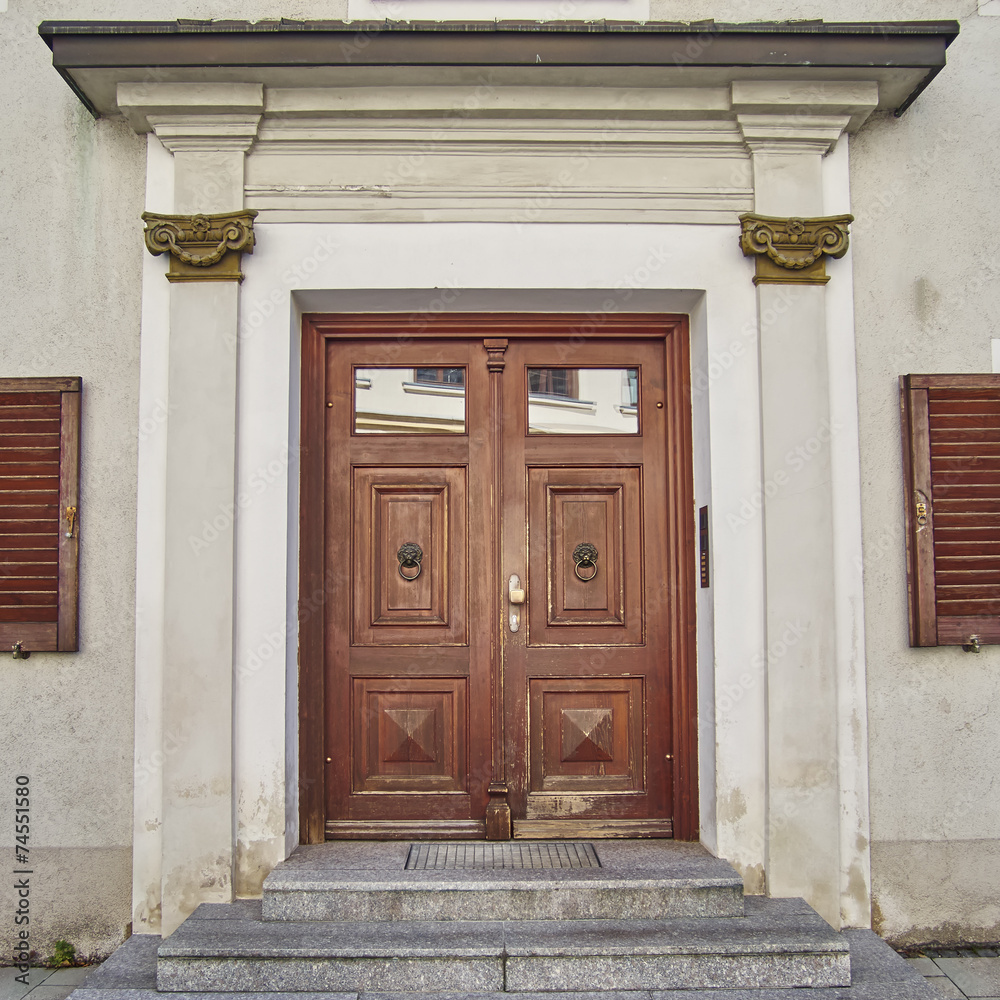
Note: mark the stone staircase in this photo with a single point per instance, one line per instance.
(351, 918)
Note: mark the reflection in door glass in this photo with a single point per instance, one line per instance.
(583, 400)
(409, 400)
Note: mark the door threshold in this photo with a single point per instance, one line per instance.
(600, 829)
(406, 829)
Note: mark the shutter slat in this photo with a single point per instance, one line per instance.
(29, 411)
(966, 608)
(29, 614)
(32, 595)
(983, 405)
(21, 468)
(956, 519)
(964, 534)
(959, 491)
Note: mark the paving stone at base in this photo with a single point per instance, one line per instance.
(944, 989)
(869, 991)
(975, 977)
(873, 961)
(11, 989)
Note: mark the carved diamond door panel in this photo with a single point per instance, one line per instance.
(410, 577)
(586, 735)
(410, 735)
(584, 538)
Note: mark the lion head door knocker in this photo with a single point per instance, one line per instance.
(585, 558)
(410, 555)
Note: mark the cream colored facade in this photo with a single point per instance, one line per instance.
(162, 755)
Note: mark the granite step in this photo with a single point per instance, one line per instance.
(877, 973)
(644, 880)
(779, 943)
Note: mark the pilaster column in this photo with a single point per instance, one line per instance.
(788, 129)
(208, 128)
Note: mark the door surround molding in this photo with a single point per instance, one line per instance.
(679, 586)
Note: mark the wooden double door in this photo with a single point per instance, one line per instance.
(500, 643)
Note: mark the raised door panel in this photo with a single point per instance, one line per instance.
(410, 734)
(410, 557)
(586, 737)
(585, 557)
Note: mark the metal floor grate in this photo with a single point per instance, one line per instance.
(438, 857)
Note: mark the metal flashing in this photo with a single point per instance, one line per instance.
(912, 50)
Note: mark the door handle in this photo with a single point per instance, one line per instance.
(516, 597)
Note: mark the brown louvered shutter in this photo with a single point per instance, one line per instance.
(39, 537)
(951, 455)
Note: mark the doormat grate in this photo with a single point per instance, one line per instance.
(565, 854)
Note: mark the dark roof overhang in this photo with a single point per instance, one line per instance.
(93, 56)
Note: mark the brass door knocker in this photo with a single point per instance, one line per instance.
(409, 555)
(585, 558)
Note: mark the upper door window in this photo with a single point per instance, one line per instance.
(409, 400)
(583, 400)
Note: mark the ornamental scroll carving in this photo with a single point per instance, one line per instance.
(201, 247)
(793, 251)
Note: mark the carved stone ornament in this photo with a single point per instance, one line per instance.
(793, 251)
(201, 247)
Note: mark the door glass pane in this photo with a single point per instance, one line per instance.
(409, 400)
(583, 400)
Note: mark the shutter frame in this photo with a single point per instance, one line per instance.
(62, 633)
(934, 549)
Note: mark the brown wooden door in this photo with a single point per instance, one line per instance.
(453, 464)
(408, 653)
(586, 676)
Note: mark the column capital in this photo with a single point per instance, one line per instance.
(201, 247)
(793, 251)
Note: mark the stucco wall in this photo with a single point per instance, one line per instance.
(925, 261)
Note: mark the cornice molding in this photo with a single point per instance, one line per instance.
(792, 133)
(793, 251)
(201, 247)
(205, 133)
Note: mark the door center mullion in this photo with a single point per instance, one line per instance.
(498, 824)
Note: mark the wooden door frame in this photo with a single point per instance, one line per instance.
(681, 556)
